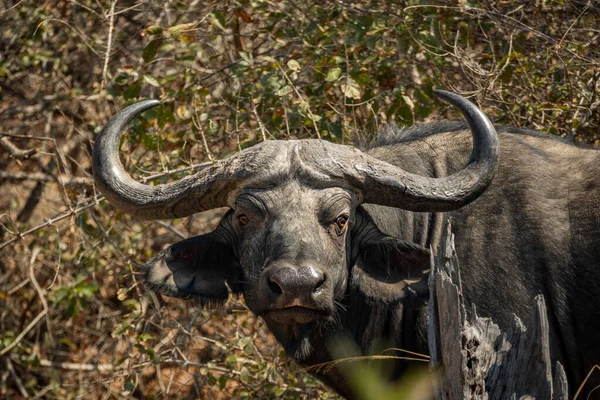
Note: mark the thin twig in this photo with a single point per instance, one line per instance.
(310, 114)
(19, 286)
(258, 120)
(327, 366)
(14, 151)
(39, 291)
(198, 124)
(595, 367)
(26, 137)
(22, 334)
(77, 366)
(111, 28)
(49, 222)
(41, 177)
(16, 378)
(171, 228)
(94, 201)
(11, 8)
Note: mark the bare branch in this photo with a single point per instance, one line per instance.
(14, 151)
(16, 378)
(111, 28)
(41, 177)
(77, 366)
(39, 291)
(94, 201)
(23, 333)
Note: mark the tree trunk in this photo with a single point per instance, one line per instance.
(474, 358)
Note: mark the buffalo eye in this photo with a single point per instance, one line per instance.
(341, 222)
(243, 220)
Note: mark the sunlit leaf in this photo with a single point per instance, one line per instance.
(149, 79)
(293, 65)
(333, 74)
(351, 89)
(284, 91)
(178, 29)
(218, 19)
(154, 30)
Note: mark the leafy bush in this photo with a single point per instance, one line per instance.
(75, 320)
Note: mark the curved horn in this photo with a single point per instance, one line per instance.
(452, 192)
(382, 183)
(323, 163)
(205, 190)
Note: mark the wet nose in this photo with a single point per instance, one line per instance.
(296, 282)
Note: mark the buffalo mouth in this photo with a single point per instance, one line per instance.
(294, 315)
(293, 327)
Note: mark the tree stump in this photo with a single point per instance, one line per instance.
(474, 358)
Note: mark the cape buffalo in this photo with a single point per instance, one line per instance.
(322, 238)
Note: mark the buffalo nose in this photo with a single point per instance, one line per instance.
(296, 282)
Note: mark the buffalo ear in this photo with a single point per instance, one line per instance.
(197, 268)
(388, 269)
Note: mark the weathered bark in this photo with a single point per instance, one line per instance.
(474, 358)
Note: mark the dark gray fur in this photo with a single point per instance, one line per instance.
(535, 230)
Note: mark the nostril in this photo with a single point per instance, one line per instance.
(320, 283)
(274, 286)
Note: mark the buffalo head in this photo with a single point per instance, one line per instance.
(296, 239)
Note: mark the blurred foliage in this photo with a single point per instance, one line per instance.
(369, 376)
(229, 74)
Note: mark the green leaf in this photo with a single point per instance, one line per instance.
(266, 58)
(121, 360)
(408, 102)
(293, 65)
(231, 359)
(211, 380)
(284, 91)
(247, 346)
(244, 374)
(145, 336)
(246, 57)
(202, 92)
(121, 79)
(222, 381)
(351, 89)
(178, 29)
(88, 290)
(333, 74)
(120, 329)
(149, 79)
(274, 82)
(151, 49)
(60, 295)
(153, 30)
(133, 90)
(129, 386)
(218, 19)
(68, 342)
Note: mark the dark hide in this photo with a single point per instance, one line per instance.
(536, 230)
(198, 268)
(386, 269)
